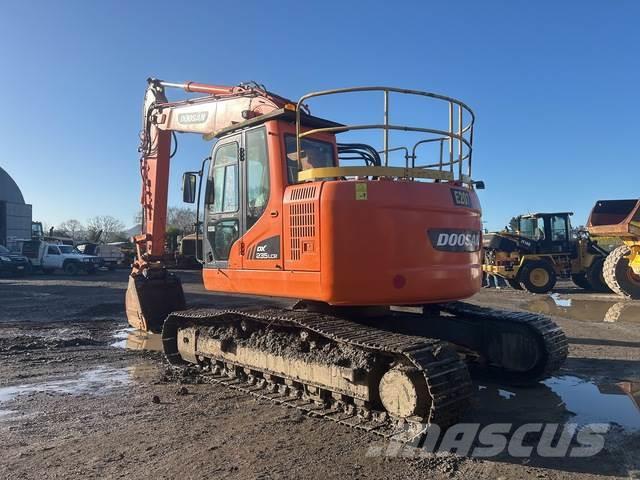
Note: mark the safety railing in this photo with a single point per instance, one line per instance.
(455, 143)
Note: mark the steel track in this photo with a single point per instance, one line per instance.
(446, 376)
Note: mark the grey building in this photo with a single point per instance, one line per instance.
(15, 214)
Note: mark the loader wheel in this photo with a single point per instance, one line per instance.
(513, 283)
(537, 277)
(580, 280)
(595, 276)
(619, 276)
(71, 268)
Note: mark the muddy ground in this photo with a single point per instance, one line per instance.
(82, 396)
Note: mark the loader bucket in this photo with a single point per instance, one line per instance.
(150, 299)
(615, 218)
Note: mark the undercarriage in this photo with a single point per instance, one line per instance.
(391, 372)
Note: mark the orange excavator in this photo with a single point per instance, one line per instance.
(368, 253)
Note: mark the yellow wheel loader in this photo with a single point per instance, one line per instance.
(537, 249)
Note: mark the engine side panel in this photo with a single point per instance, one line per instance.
(397, 242)
(370, 243)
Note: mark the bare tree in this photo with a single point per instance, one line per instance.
(182, 219)
(112, 229)
(71, 228)
(137, 218)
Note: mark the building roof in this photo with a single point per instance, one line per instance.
(9, 191)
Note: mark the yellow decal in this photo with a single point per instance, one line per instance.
(361, 191)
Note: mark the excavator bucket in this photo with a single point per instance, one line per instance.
(150, 299)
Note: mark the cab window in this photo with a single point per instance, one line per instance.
(532, 228)
(53, 250)
(313, 154)
(558, 228)
(257, 174)
(225, 179)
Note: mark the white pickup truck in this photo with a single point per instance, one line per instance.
(50, 257)
(111, 255)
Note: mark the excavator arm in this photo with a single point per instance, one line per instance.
(153, 292)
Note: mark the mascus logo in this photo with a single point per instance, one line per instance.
(455, 240)
(193, 117)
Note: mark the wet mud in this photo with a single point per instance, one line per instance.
(84, 396)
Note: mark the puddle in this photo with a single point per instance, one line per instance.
(124, 333)
(585, 310)
(592, 403)
(559, 301)
(132, 339)
(96, 382)
(564, 399)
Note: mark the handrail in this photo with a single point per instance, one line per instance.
(397, 149)
(461, 134)
(367, 171)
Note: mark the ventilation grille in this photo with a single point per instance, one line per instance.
(302, 219)
(303, 193)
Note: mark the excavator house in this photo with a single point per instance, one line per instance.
(369, 257)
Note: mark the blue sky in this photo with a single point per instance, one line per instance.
(554, 86)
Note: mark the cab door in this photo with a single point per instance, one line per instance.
(224, 217)
(559, 234)
(52, 257)
(262, 176)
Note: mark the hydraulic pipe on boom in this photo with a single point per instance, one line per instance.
(153, 292)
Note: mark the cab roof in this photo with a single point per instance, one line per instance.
(280, 114)
(542, 214)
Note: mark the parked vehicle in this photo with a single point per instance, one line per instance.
(186, 256)
(111, 255)
(13, 263)
(621, 219)
(539, 248)
(49, 257)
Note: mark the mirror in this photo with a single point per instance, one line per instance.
(479, 185)
(189, 187)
